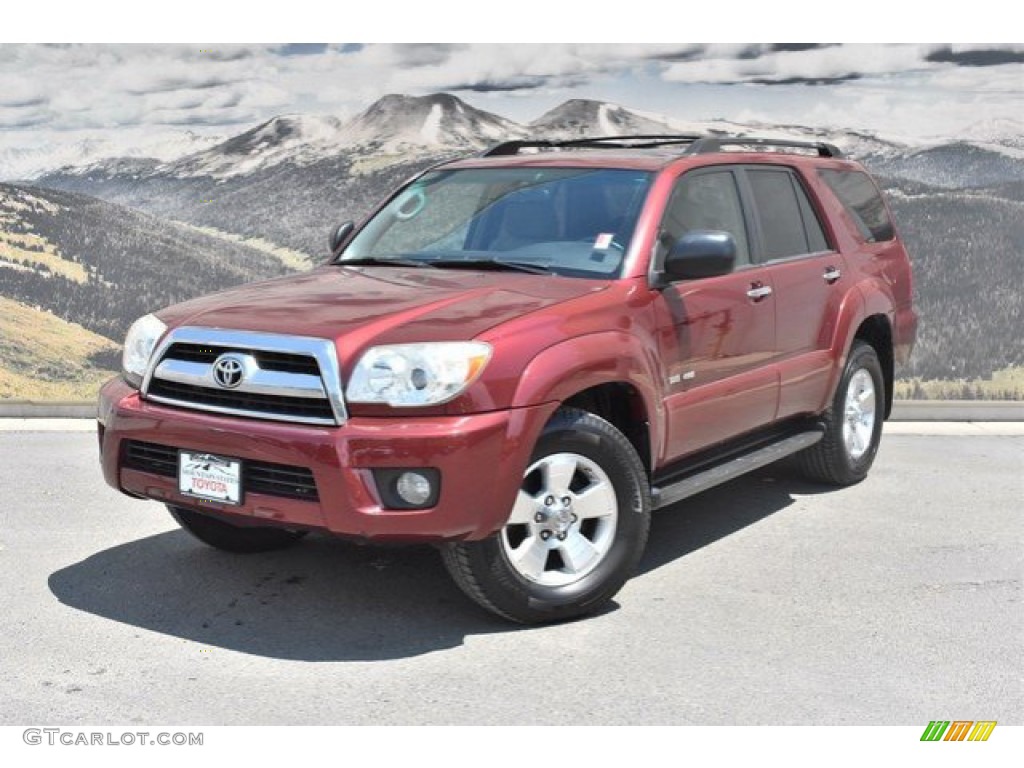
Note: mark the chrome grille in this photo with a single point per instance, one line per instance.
(285, 407)
(284, 378)
(268, 361)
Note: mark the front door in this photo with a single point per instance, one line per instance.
(716, 335)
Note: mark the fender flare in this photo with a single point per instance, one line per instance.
(862, 301)
(608, 357)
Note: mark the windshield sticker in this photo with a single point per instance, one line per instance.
(603, 241)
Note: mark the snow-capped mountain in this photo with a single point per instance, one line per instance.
(999, 133)
(298, 139)
(288, 179)
(582, 117)
(856, 144)
(416, 126)
(410, 125)
(438, 121)
(85, 153)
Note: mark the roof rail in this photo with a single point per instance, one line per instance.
(696, 144)
(637, 141)
(715, 143)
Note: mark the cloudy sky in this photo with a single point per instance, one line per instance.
(137, 94)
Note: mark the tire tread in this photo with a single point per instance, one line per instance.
(470, 570)
(456, 560)
(825, 461)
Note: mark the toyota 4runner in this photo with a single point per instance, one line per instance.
(518, 356)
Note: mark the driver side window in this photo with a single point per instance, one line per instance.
(705, 199)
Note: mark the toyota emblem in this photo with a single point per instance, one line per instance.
(228, 370)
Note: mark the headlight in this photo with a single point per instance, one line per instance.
(138, 346)
(406, 375)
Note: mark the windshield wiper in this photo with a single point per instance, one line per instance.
(516, 266)
(376, 261)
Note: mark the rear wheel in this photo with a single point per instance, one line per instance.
(233, 538)
(575, 533)
(853, 423)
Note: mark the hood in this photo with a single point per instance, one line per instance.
(358, 306)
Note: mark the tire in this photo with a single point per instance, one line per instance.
(853, 423)
(234, 538)
(575, 534)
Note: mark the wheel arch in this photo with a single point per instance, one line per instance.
(866, 315)
(621, 405)
(607, 374)
(876, 330)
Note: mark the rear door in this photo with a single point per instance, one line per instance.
(807, 276)
(716, 335)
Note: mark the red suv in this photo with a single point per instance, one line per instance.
(520, 355)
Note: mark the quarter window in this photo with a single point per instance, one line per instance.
(862, 201)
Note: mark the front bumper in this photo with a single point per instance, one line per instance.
(481, 459)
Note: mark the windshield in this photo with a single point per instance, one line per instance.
(568, 221)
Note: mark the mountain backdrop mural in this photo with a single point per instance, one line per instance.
(88, 246)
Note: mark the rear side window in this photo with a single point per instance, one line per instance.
(789, 226)
(862, 201)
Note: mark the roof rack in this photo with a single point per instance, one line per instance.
(696, 144)
(638, 141)
(715, 143)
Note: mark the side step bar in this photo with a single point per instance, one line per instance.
(664, 495)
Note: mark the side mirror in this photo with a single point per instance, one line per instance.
(339, 234)
(701, 253)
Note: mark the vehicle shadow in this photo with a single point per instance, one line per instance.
(322, 600)
(693, 523)
(332, 600)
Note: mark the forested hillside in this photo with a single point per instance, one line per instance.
(102, 265)
(966, 248)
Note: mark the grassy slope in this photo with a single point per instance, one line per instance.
(76, 271)
(1006, 384)
(290, 258)
(45, 358)
(23, 248)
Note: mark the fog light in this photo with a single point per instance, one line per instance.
(413, 488)
(407, 487)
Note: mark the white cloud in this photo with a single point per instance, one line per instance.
(134, 89)
(834, 62)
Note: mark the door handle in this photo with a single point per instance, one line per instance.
(758, 291)
(831, 275)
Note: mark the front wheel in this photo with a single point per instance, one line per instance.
(233, 538)
(575, 533)
(853, 423)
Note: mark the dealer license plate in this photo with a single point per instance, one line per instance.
(206, 476)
